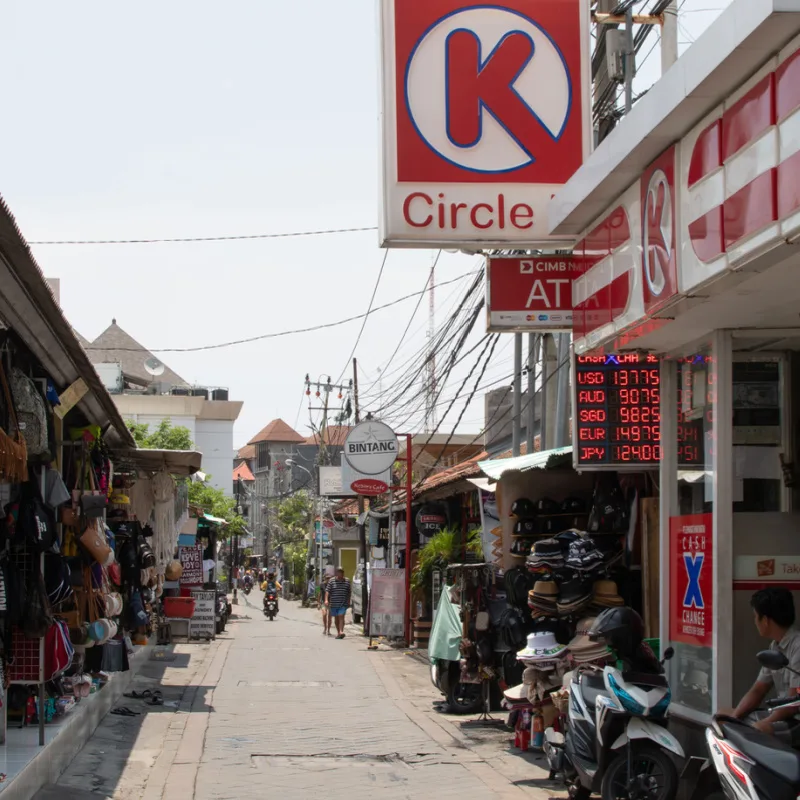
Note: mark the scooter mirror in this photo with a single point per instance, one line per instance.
(772, 659)
(669, 653)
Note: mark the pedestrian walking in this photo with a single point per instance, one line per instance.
(326, 612)
(337, 596)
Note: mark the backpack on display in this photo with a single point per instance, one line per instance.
(37, 616)
(31, 412)
(58, 650)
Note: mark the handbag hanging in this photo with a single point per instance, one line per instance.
(13, 450)
(93, 540)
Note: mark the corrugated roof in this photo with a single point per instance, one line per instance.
(244, 473)
(278, 431)
(117, 346)
(495, 468)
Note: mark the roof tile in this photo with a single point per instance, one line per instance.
(278, 431)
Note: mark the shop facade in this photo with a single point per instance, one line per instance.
(687, 218)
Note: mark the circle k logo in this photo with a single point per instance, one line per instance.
(487, 89)
(658, 231)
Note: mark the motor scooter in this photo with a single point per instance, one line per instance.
(270, 604)
(616, 741)
(746, 764)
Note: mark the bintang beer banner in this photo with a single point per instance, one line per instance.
(691, 579)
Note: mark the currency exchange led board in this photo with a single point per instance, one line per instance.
(618, 414)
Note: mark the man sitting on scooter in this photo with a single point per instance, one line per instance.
(271, 586)
(773, 612)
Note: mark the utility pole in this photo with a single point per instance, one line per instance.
(533, 359)
(669, 37)
(630, 60)
(516, 400)
(362, 528)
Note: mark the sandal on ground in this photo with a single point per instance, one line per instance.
(139, 695)
(156, 700)
(340, 636)
(123, 711)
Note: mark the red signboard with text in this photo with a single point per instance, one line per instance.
(691, 604)
(531, 293)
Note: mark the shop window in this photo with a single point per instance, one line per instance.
(691, 543)
(757, 434)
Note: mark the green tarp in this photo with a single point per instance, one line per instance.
(446, 632)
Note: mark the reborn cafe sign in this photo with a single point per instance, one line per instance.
(483, 115)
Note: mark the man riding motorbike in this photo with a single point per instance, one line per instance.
(271, 586)
(774, 616)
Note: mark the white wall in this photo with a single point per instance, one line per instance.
(214, 439)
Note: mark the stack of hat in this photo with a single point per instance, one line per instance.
(543, 598)
(546, 554)
(541, 648)
(575, 595)
(540, 681)
(606, 595)
(582, 649)
(584, 556)
(516, 697)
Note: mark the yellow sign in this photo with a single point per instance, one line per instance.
(70, 398)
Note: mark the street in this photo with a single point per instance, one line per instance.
(278, 707)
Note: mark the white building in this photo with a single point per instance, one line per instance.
(147, 391)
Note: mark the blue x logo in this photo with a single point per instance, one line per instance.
(694, 595)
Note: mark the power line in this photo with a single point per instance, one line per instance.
(278, 333)
(184, 239)
(369, 311)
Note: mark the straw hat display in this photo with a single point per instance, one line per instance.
(543, 597)
(606, 595)
(582, 649)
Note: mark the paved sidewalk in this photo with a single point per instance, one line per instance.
(280, 706)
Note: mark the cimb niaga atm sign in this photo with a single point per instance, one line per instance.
(484, 117)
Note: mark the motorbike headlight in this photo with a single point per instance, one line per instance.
(628, 702)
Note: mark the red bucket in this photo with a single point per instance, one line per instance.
(182, 607)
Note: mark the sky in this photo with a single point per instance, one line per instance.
(194, 119)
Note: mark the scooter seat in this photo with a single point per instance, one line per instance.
(766, 751)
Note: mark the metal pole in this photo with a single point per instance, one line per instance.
(516, 422)
(543, 443)
(669, 37)
(533, 358)
(562, 397)
(630, 62)
(362, 528)
(409, 489)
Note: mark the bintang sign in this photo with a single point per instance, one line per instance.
(371, 448)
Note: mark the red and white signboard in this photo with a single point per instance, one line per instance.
(531, 293)
(691, 607)
(484, 117)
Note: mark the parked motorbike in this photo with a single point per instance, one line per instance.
(221, 610)
(616, 741)
(746, 764)
(270, 604)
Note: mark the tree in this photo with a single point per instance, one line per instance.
(294, 515)
(165, 437)
(213, 501)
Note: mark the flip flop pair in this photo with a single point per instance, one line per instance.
(123, 711)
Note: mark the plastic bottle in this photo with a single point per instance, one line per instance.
(537, 731)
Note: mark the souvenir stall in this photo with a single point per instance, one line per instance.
(569, 546)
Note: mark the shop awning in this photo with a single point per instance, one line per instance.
(176, 462)
(215, 520)
(27, 305)
(495, 468)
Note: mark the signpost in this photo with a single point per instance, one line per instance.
(530, 294)
(691, 613)
(387, 601)
(191, 559)
(203, 621)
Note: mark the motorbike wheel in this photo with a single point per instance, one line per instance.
(654, 776)
(464, 698)
(577, 791)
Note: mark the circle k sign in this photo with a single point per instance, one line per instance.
(371, 448)
(483, 105)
